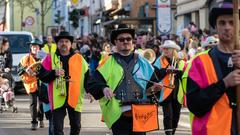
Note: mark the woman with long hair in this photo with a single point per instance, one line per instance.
(169, 68)
(5, 56)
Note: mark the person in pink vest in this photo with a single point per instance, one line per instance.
(211, 79)
(64, 71)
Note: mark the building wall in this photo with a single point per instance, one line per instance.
(203, 18)
(180, 24)
(198, 13)
(136, 4)
(36, 27)
(85, 24)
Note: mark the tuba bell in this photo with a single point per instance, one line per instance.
(149, 54)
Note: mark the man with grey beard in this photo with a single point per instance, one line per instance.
(64, 72)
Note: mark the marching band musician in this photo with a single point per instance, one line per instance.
(168, 69)
(211, 79)
(30, 82)
(120, 82)
(64, 71)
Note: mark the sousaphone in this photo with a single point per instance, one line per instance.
(149, 54)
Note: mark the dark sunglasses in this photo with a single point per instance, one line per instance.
(123, 39)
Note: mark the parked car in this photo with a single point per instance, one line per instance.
(18, 44)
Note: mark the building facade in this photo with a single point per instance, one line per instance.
(196, 11)
(31, 18)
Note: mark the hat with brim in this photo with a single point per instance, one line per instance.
(122, 28)
(170, 44)
(65, 35)
(210, 41)
(223, 8)
(35, 42)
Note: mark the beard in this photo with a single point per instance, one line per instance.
(63, 48)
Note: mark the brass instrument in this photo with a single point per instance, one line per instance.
(34, 70)
(149, 54)
(60, 80)
(172, 73)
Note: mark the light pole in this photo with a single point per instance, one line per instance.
(37, 20)
(68, 10)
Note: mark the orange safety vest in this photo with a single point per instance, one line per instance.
(162, 62)
(29, 82)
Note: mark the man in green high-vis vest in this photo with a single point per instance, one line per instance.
(120, 81)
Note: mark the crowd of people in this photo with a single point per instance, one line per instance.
(132, 74)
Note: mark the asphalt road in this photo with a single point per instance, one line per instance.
(19, 123)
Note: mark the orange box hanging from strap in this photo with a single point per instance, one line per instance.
(145, 117)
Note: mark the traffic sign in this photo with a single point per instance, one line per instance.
(29, 21)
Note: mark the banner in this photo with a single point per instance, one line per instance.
(145, 117)
(164, 17)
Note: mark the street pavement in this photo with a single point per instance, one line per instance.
(19, 123)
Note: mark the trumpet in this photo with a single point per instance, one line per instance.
(31, 71)
(172, 73)
(34, 66)
(60, 80)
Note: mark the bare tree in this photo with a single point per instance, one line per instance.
(45, 6)
(22, 4)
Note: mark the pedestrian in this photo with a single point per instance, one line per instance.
(28, 74)
(5, 56)
(50, 46)
(210, 42)
(64, 72)
(169, 70)
(105, 52)
(211, 79)
(118, 84)
(6, 61)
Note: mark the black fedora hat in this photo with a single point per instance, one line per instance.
(224, 7)
(122, 28)
(35, 41)
(64, 34)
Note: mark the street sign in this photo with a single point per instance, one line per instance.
(29, 21)
(74, 2)
(164, 17)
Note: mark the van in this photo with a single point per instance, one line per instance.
(18, 44)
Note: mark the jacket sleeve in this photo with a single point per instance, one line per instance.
(20, 69)
(9, 60)
(200, 101)
(161, 73)
(45, 75)
(95, 84)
